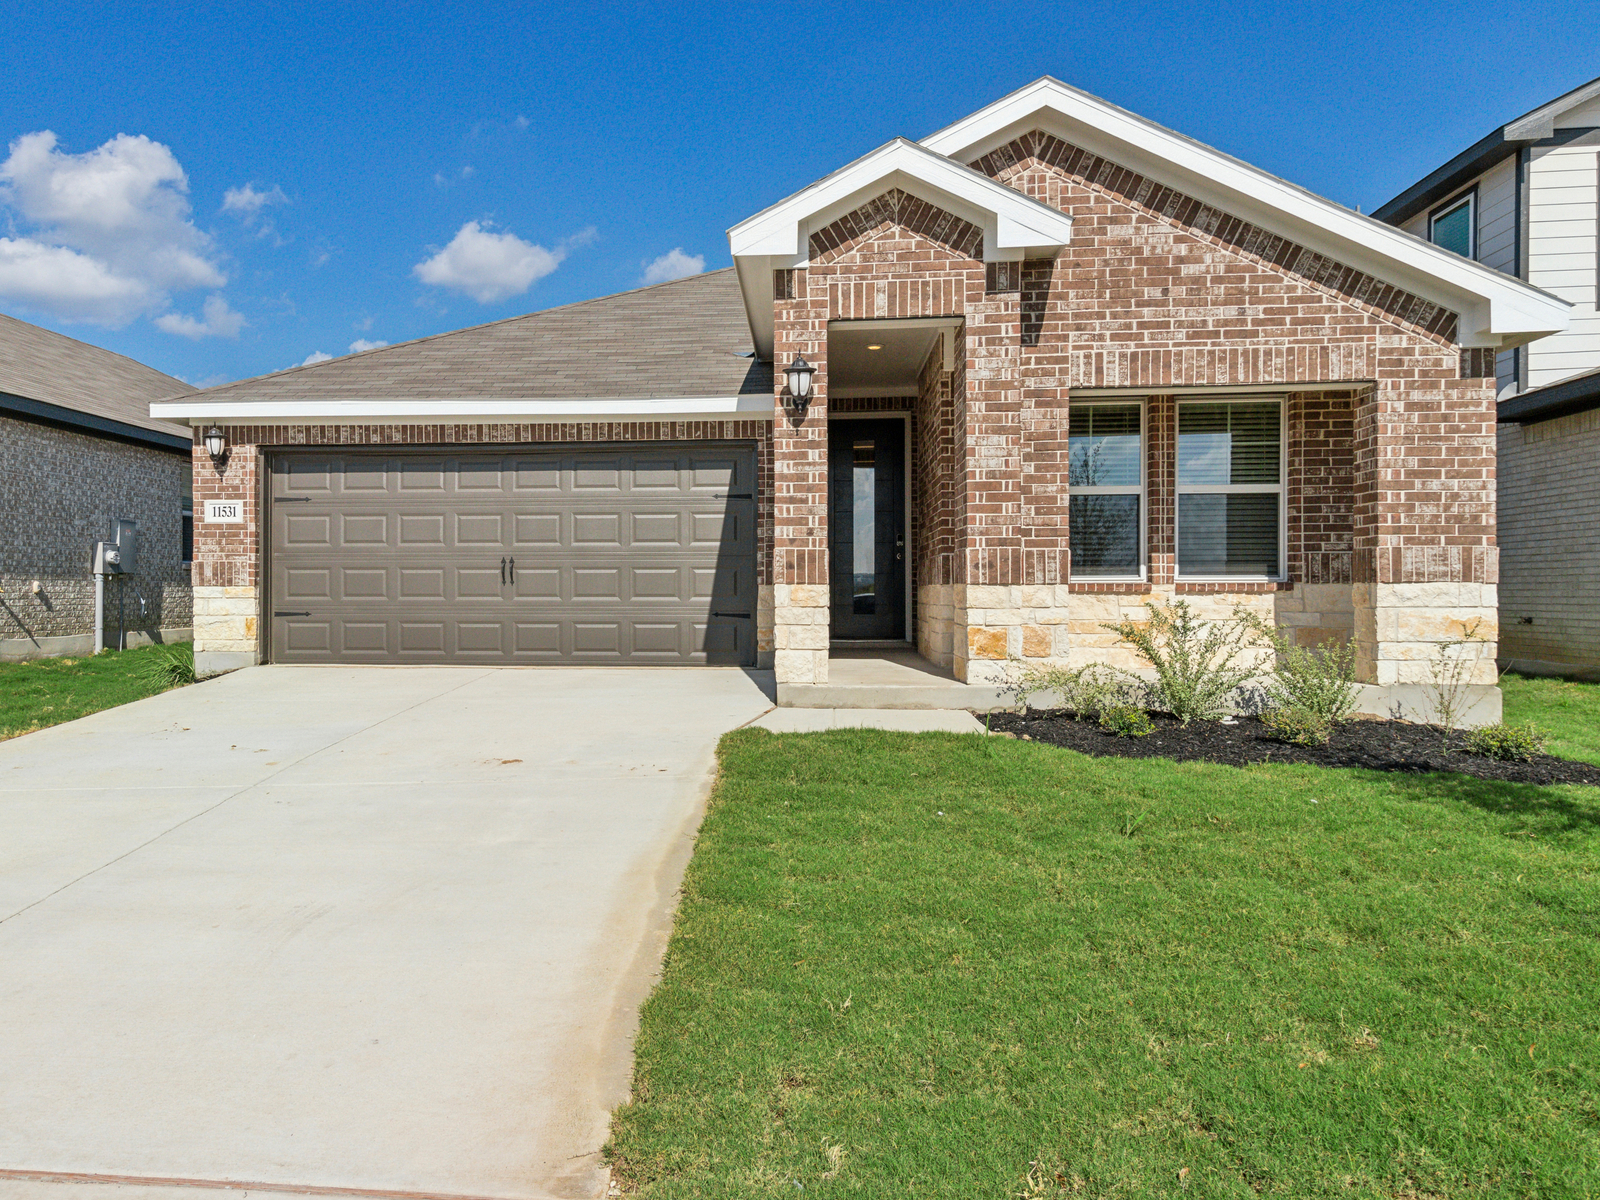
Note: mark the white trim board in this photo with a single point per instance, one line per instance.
(758, 407)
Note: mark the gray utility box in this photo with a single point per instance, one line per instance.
(121, 555)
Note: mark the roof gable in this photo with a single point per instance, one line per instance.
(1014, 226)
(1496, 310)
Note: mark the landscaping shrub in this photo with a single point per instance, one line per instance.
(1298, 726)
(1199, 663)
(170, 666)
(1320, 680)
(1125, 720)
(1509, 743)
(1086, 691)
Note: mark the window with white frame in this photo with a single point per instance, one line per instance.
(1105, 485)
(1451, 227)
(1230, 489)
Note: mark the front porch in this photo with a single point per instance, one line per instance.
(880, 677)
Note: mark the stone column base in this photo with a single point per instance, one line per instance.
(225, 629)
(1480, 703)
(800, 632)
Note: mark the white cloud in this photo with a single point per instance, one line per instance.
(674, 264)
(247, 201)
(109, 230)
(360, 344)
(313, 358)
(521, 122)
(488, 266)
(218, 321)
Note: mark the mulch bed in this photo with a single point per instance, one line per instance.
(1373, 745)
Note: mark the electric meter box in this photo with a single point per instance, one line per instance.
(120, 556)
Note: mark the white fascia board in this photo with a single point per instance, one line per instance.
(1496, 310)
(364, 412)
(1013, 221)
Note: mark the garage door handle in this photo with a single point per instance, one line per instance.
(740, 616)
(513, 570)
(276, 613)
(502, 570)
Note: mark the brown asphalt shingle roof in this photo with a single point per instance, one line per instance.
(38, 364)
(689, 337)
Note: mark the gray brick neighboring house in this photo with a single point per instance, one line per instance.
(1526, 200)
(78, 449)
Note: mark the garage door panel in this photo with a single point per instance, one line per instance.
(538, 529)
(618, 557)
(364, 583)
(422, 583)
(422, 529)
(363, 529)
(542, 583)
(479, 529)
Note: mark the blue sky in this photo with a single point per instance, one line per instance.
(231, 188)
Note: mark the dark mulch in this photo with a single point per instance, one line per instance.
(1374, 745)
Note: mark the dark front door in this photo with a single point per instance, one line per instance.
(867, 528)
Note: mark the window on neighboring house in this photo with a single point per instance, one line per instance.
(188, 530)
(1230, 489)
(1451, 226)
(1105, 485)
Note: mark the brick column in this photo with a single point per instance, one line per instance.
(988, 605)
(227, 606)
(800, 489)
(1425, 564)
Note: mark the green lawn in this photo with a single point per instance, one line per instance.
(48, 691)
(932, 965)
(1570, 711)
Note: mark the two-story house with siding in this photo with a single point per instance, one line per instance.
(1526, 200)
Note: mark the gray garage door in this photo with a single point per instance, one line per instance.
(631, 555)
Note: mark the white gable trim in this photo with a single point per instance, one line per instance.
(1014, 226)
(1496, 310)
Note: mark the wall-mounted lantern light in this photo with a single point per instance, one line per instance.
(799, 373)
(216, 443)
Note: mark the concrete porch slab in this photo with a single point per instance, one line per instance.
(890, 679)
(810, 720)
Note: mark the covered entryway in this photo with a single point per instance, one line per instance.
(572, 555)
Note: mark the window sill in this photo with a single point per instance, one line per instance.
(1218, 587)
(1108, 587)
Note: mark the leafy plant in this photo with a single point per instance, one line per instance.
(1318, 680)
(1509, 743)
(1125, 720)
(170, 666)
(1085, 691)
(1451, 674)
(1199, 663)
(1298, 726)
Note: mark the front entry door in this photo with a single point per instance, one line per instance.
(867, 528)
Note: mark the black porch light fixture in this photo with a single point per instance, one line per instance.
(799, 374)
(216, 442)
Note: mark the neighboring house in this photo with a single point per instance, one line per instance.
(78, 450)
(1526, 200)
(1066, 362)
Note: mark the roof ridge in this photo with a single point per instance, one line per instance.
(448, 333)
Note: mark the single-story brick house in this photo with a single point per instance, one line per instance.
(1066, 361)
(78, 450)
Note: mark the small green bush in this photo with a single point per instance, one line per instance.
(1199, 663)
(170, 666)
(1509, 743)
(1085, 691)
(1298, 726)
(1125, 720)
(1319, 680)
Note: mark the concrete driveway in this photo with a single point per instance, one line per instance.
(328, 928)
